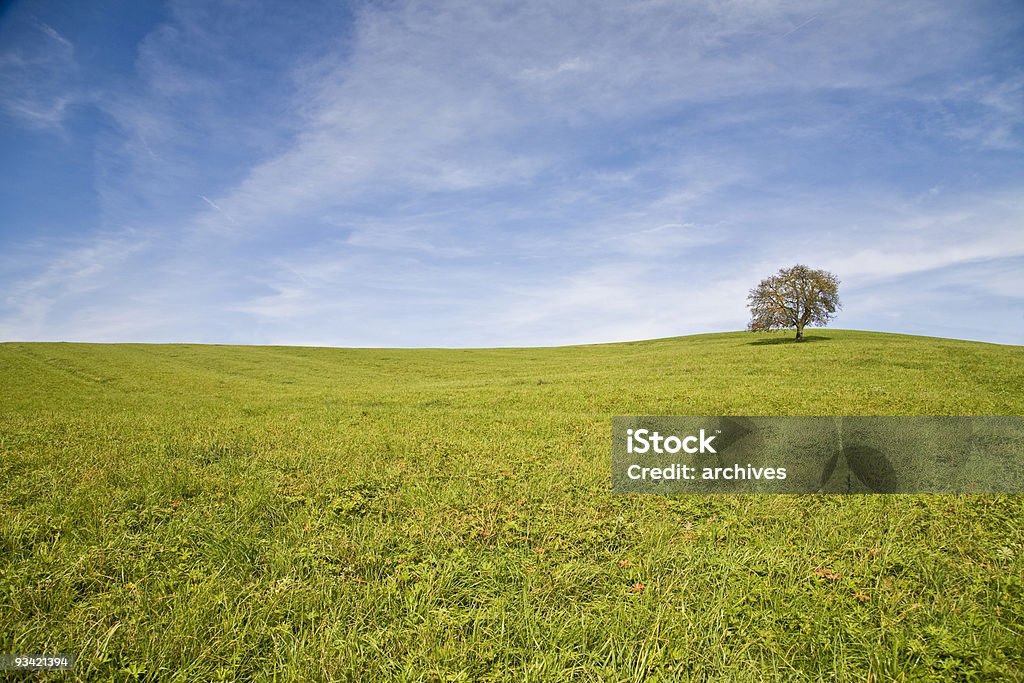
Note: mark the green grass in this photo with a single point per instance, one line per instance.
(182, 512)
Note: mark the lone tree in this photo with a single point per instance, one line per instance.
(794, 298)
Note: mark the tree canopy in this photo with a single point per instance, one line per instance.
(794, 298)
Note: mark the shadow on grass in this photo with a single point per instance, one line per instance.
(788, 340)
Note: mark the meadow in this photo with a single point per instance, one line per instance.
(192, 512)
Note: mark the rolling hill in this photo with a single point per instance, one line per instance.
(194, 512)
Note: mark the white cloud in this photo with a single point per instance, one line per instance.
(995, 113)
(39, 79)
(41, 301)
(430, 98)
(893, 241)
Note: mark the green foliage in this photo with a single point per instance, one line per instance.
(794, 298)
(240, 513)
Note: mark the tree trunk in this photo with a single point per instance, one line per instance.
(799, 333)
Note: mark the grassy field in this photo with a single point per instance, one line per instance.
(182, 512)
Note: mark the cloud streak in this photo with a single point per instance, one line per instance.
(39, 78)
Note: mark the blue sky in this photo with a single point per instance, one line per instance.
(504, 173)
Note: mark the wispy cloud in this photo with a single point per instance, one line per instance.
(39, 78)
(987, 112)
(67, 285)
